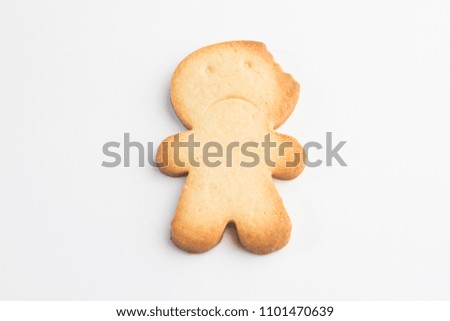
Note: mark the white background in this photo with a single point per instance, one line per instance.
(75, 75)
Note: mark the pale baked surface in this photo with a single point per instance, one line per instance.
(232, 92)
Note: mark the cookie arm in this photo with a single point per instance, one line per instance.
(288, 155)
(171, 159)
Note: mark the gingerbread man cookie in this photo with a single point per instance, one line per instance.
(231, 97)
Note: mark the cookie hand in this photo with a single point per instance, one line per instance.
(171, 159)
(289, 157)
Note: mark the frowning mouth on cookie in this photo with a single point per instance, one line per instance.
(232, 98)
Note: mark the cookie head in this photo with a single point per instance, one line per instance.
(236, 69)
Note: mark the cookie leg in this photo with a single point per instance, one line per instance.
(196, 230)
(265, 230)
